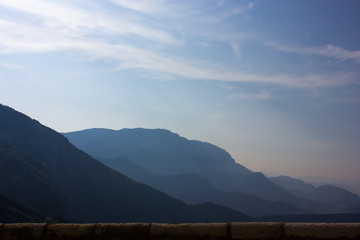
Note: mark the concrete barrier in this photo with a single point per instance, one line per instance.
(191, 231)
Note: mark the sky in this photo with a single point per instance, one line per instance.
(275, 83)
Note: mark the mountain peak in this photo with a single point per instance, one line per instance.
(158, 150)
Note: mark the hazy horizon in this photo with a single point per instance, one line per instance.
(274, 83)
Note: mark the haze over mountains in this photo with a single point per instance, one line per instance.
(348, 184)
(205, 172)
(342, 199)
(141, 175)
(193, 189)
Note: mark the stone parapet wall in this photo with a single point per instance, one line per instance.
(188, 231)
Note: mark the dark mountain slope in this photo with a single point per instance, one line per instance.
(194, 189)
(97, 193)
(12, 211)
(29, 180)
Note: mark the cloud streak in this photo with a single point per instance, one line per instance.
(11, 66)
(262, 95)
(327, 51)
(70, 20)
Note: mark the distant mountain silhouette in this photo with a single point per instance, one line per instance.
(348, 184)
(163, 152)
(193, 189)
(93, 192)
(313, 218)
(347, 202)
(158, 150)
(340, 199)
(292, 184)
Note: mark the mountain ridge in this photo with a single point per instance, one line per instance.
(154, 144)
(157, 153)
(342, 200)
(96, 192)
(193, 189)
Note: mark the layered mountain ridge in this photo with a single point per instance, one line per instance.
(342, 200)
(162, 152)
(142, 175)
(91, 191)
(193, 189)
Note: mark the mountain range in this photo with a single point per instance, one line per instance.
(342, 200)
(205, 172)
(43, 171)
(193, 189)
(351, 185)
(143, 175)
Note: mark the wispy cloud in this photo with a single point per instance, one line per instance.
(327, 51)
(145, 6)
(54, 26)
(187, 7)
(71, 21)
(262, 95)
(243, 9)
(236, 49)
(238, 10)
(164, 9)
(8, 65)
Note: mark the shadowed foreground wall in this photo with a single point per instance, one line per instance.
(192, 231)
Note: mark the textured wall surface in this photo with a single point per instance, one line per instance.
(188, 231)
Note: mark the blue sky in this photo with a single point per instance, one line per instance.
(275, 83)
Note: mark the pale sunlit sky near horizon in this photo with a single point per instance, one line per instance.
(275, 83)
